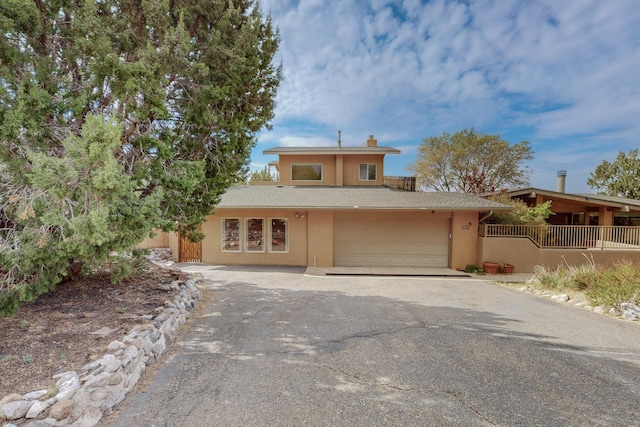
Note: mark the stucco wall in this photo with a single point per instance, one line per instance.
(297, 234)
(464, 239)
(328, 168)
(160, 240)
(320, 238)
(336, 170)
(352, 169)
(525, 255)
(311, 239)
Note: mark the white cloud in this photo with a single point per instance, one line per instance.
(556, 69)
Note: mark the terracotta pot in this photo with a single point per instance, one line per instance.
(490, 267)
(507, 269)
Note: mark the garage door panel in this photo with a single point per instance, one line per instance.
(392, 239)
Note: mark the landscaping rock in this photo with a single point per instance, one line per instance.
(61, 409)
(15, 410)
(81, 401)
(561, 297)
(630, 311)
(10, 398)
(38, 408)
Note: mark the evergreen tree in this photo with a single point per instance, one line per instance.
(262, 175)
(120, 116)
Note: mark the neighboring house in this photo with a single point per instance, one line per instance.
(331, 207)
(582, 209)
(584, 228)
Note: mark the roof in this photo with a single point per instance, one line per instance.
(594, 199)
(614, 199)
(331, 150)
(322, 197)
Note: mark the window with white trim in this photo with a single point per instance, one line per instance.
(368, 172)
(279, 233)
(231, 234)
(306, 172)
(254, 235)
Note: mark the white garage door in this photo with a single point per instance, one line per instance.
(391, 239)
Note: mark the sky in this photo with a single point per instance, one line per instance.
(561, 74)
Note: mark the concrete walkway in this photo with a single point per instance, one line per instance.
(414, 272)
(372, 271)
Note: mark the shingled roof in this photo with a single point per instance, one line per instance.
(320, 197)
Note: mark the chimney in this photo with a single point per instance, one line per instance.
(372, 142)
(562, 178)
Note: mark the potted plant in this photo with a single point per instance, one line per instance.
(490, 267)
(507, 268)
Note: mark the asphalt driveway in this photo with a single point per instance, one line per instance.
(278, 348)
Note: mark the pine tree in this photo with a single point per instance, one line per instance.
(120, 116)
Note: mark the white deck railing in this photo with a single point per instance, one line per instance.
(569, 236)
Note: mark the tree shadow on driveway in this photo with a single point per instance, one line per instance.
(297, 357)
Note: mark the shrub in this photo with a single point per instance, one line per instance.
(474, 269)
(50, 227)
(613, 285)
(606, 286)
(521, 214)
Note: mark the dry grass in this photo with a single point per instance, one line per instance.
(606, 286)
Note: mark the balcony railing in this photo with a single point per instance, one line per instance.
(569, 236)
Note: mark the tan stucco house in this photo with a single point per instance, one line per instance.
(331, 207)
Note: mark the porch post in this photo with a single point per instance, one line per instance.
(606, 216)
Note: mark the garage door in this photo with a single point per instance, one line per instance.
(391, 239)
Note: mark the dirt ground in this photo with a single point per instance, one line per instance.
(54, 333)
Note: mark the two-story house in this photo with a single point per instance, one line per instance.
(330, 208)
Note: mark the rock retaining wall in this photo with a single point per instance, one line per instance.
(80, 399)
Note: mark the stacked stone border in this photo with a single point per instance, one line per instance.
(81, 399)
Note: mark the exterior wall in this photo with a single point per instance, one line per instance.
(339, 170)
(464, 239)
(320, 252)
(160, 240)
(174, 244)
(297, 234)
(336, 170)
(311, 241)
(520, 252)
(524, 255)
(352, 169)
(328, 168)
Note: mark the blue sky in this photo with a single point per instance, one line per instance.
(561, 74)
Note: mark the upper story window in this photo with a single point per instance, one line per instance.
(368, 172)
(306, 172)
